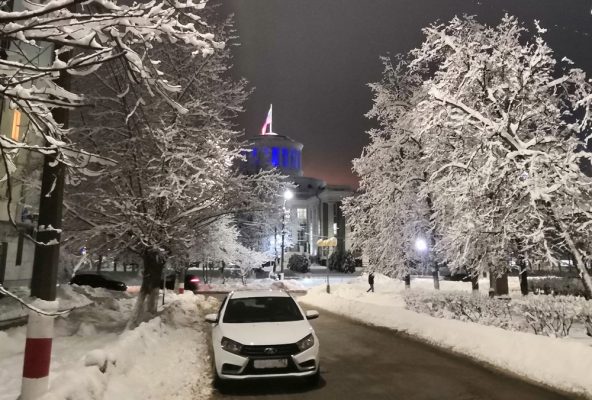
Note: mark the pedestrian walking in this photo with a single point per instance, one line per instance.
(371, 282)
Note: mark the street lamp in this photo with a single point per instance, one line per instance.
(288, 195)
(422, 247)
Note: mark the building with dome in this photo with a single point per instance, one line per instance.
(316, 223)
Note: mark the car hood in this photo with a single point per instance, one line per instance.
(266, 333)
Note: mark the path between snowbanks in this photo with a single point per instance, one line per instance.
(557, 363)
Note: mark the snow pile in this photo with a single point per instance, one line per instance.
(166, 357)
(69, 296)
(257, 284)
(563, 364)
(94, 357)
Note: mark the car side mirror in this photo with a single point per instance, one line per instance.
(312, 314)
(212, 318)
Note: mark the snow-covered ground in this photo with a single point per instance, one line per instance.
(561, 363)
(166, 357)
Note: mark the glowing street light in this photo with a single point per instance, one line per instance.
(288, 195)
(421, 245)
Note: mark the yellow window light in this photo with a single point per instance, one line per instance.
(16, 125)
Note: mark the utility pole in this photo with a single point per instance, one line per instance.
(283, 234)
(275, 248)
(45, 267)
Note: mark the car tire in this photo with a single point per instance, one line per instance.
(218, 383)
(314, 380)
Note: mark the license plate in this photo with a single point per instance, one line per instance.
(277, 363)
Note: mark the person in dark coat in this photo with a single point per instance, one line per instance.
(371, 282)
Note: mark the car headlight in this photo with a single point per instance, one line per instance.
(305, 343)
(231, 346)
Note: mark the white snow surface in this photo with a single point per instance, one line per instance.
(563, 364)
(164, 358)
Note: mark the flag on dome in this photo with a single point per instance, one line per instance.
(267, 123)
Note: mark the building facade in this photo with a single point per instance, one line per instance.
(314, 214)
(19, 205)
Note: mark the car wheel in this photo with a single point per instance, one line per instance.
(218, 382)
(314, 380)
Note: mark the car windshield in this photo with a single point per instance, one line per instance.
(262, 309)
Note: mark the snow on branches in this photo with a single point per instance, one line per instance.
(499, 127)
(175, 177)
(47, 41)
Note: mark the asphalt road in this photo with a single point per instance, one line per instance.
(361, 362)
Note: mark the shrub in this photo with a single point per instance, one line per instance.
(462, 306)
(553, 315)
(298, 263)
(555, 285)
(342, 262)
(545, 315)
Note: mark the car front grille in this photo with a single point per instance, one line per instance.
(271, 351)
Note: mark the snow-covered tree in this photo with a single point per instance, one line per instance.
(175, 173)
(498, 125)
(221, 242)
(504, 122)
(387, 215)
(45, 42)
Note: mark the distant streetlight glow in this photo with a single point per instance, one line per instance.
(421, 245)
(288, 194)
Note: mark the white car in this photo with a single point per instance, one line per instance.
(263, 334)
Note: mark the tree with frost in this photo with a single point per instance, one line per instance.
(44, 43)
(388, 215)
(175, 174)
(502, 127)
(221, 242)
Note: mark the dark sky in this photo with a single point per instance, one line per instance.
(313, 60)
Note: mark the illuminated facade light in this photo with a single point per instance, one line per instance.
(15, 133)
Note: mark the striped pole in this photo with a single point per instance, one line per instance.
(181, 287)
(37, 354)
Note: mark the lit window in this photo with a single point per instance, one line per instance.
(275, 157)
(301, 214)
(285, 158)
(335, 228)
(16, 125)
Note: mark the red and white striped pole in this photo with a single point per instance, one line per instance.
(38, 351)
(181, 287)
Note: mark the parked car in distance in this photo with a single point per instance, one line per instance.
(170, 281)
(191, 282)
(263, 334)
(97, 281)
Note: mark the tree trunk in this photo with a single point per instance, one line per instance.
(523, 279)
(147, 302)
(436, 277)
(407, 281)
(580, 265)
(475, 283)
(501, 285)
(498, 285)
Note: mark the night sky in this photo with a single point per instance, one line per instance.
(313, 60)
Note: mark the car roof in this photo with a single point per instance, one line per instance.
(241, 294)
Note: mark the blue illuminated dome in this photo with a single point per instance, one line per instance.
(275, 151)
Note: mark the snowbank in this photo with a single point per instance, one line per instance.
(257, 284)
(94, 357)
(563, 364)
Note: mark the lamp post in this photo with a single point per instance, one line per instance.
(288, 195)
(422, 247)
